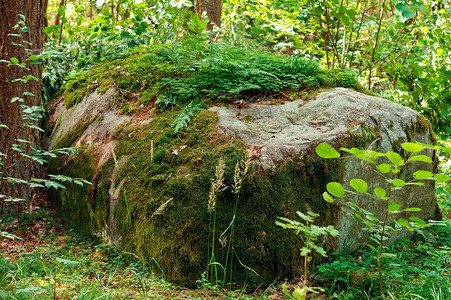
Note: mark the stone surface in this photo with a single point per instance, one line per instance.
(289, 130)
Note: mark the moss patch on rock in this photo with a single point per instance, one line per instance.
(210, 71)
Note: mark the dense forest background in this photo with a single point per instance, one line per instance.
(400, 50)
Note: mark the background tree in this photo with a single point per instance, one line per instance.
(14, 49)
(213, 9)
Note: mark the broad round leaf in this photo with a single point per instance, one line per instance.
(400, 6)
(335, 189)
(384, 168)
(359, 185)
(380, 192)
(393, 207)
(441, 177)
(422, 174)
(395, 158)
(14, 60)
(408, 14)
(412, 147)
(423, 158)
(328, 198)
(326, 151)
(398, 182)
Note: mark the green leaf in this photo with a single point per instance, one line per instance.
(408, 14)
(61, 10)
(395, 158)
(335, 189)
(403, 222)
(384, 168)
(400, 6)
(380, 192)
(14, 60)
(422, 174)
(423, 158)
(328, 198)
(392, 207)
(415, 183)
(398, 182)
(412, 147)
(49, 29)
(67, 261)
(441, 177)
(417, 220)
(28, 94)
(412, 209)
(324, 150)
(369, 224)
(359, 185)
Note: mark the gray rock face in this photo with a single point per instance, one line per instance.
(291, 129)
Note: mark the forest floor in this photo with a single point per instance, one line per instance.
(53, 261)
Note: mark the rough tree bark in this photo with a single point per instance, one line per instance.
(213, 9)
(14, 164)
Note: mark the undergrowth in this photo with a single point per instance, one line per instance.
(54, 261)
(418, 269)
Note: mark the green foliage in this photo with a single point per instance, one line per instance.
(380, 227)
(185, 116)
(175, 74)
(416, 269)
(309, 234)
(399, 48)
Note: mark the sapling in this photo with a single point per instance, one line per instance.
(388, 166)
(309, 234)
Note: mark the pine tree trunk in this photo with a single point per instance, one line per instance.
(213, 9)
(14, 164)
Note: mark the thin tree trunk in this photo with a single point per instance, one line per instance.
(213, 9)
(15, 165)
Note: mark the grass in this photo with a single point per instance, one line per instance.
(54, 261)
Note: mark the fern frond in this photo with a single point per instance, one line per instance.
(167, 99)
(185, 116)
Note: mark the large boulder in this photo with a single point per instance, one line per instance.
(150, 192)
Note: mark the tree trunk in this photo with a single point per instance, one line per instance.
(213, 9)
(13, 163)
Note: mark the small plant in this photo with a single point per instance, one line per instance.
(185, 116)
(389, 169)
(309, 234)
(217, 185)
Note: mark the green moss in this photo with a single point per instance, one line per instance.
(86, 205)
(214, 71)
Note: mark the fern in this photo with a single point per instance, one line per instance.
(167, 99)
(185, 116)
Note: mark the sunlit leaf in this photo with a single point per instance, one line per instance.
(335, 189)
(326, 151)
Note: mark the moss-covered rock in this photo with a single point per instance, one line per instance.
(151, 187)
